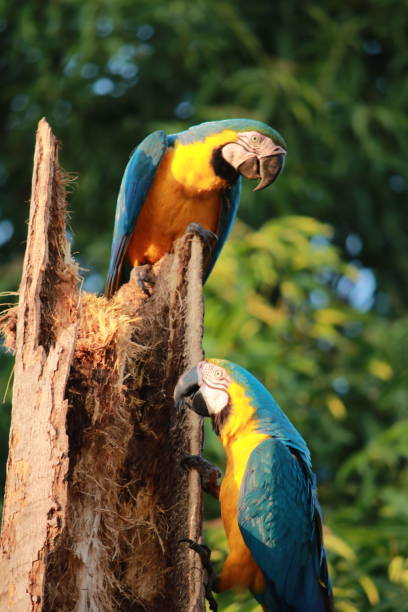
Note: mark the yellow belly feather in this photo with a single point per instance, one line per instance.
(240, 569)
(239, 437)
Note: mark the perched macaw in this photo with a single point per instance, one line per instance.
(268, 496)
(189, 177)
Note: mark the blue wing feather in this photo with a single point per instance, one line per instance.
(136, 182)
(280, 523)
(229, 208)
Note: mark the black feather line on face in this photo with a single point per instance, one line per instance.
(222, 168)
(219, 419)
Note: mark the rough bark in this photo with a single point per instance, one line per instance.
(35, 500)
(96, 499)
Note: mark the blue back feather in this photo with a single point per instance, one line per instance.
(229, 209)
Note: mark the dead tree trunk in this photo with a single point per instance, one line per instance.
(96, 499)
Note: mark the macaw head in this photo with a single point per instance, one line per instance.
(241, 146)
(216, 388)
(237, 403)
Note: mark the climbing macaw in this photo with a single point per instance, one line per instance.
(268, 496)
(189, 177)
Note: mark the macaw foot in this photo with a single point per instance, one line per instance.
(142, 277)
(209, 473)
(205, 555)
(208, 238)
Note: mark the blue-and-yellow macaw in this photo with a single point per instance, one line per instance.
(268, 496)
(189, 177)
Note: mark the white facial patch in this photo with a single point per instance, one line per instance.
(251, 138)
(235, 154)
(215, 399)
(261, 145)
(214, 382)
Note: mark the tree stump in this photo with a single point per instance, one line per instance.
(96, 500)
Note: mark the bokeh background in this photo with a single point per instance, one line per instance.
(311, 291)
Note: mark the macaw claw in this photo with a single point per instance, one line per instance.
(208, 238)
(142, 277)
(209, 473)
(205, 555)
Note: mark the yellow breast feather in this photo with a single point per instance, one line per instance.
(191, 164)
(240, 437)
(166, 213)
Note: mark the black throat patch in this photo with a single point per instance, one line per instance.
(222, 168)
(218, 420)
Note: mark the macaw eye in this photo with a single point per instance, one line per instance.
(255, 138)
(218, 373)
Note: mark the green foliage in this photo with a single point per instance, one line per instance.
(324, 326)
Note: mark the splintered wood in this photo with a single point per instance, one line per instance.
(36, 490)
(96, 498)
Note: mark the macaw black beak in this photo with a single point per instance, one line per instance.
(188, 387)
(266, 168)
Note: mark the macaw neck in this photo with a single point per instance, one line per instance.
(240, 420)
(258, 415)
(192, 164)
(239, 433)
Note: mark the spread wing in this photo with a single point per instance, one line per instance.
(134, 188)
(229, 207)
(280, 522)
